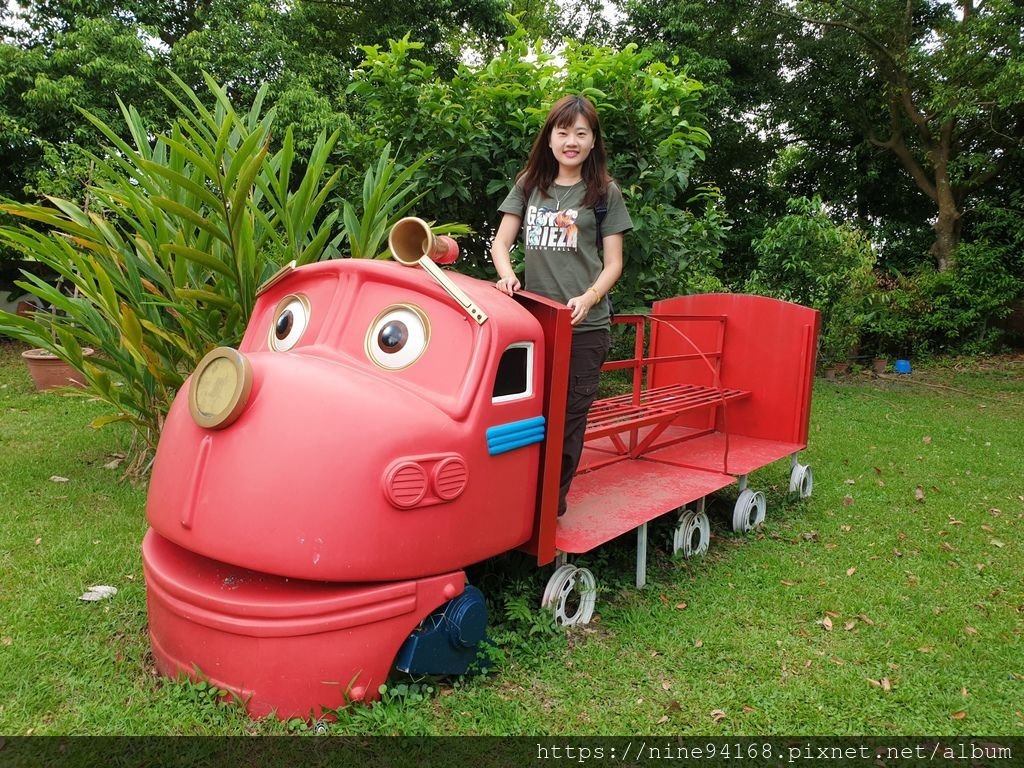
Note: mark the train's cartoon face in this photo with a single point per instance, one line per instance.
(366, 429)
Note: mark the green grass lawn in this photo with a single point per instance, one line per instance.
(892, 601)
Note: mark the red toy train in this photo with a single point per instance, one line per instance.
(318, 492)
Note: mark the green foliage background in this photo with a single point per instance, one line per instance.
(167, 157)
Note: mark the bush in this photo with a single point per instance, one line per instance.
(808, 259)
(163, 260)
(956, 311)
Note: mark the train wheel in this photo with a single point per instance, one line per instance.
(748, 513)
(699, 538)
(692, 536)
(801, 480)
(570, 594)
(680, 534)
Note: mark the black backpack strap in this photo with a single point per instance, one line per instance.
(600, 211)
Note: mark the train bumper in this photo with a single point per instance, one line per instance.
(287, 647)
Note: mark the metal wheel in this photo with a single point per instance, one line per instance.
(679, 535)
(699, 538)
(801, 480)
(570, 594)
(693, 534)
(748, 513)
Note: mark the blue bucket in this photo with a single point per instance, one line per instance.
(902, 366)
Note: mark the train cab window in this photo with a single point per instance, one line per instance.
(514, 379)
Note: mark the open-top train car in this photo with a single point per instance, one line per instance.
(318, 492)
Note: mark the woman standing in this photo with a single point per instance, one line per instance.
(572, 218)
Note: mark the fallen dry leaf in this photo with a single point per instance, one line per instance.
(960, 714)
(717, 715)
(826, 623)
(833, 614)
(886, 684)
(662, 720)
(698, 643)
(747, 709)
(878, 470)
(875, 683)
(58, 479)
(964, 693)
(865, 619)
(926, 440)
(946, 546)
(844, 528)
(926, 649)
(666, 686)
(98, 592)
(680, 606)
(970, 630)
(830, 545)
(919, 493)
(5, 640)
(787, 583)
(847, 500)
(849, 625)
(851, 571)
(988, 528)
(115, 461)
(850, 482)
(996, 543)
(38, 540)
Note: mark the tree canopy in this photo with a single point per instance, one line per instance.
(905, 120)
(938, 85)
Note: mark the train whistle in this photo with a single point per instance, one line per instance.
(411, 242)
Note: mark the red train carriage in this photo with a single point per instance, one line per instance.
(318, 492)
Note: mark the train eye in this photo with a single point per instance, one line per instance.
(290, 321)
(397, 337)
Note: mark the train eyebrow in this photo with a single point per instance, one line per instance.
(276, 278)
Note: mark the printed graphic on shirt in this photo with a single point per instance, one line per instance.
(547, 228)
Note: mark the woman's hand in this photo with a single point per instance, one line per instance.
(508, 284)
(582, 304)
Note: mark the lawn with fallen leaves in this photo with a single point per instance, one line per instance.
(890, 602)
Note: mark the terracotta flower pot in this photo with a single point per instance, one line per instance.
(879, 364)
(49, 371)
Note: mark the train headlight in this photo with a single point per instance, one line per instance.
(220, 388)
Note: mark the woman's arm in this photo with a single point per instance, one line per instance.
(610, 273)
(504, 239)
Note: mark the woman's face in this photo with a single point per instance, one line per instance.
(571, 145)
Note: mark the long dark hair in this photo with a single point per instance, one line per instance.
(542, 168)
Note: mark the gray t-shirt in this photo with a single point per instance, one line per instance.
(559, 240)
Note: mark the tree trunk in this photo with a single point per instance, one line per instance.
(947, 225)
(947, 237)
